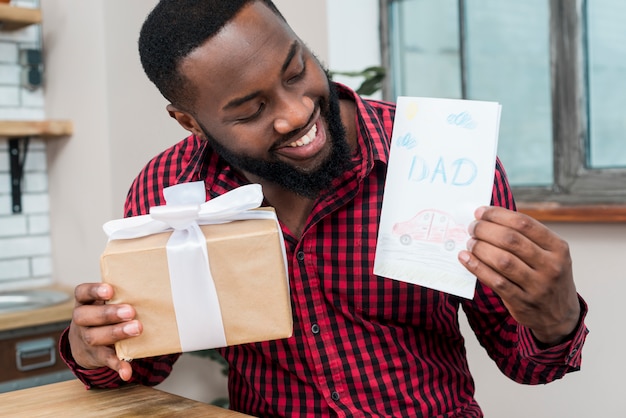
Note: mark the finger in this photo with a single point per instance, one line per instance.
(532, 229)
(97, 315)
(501, 260)
(110, 334)
(89, 293)
(106, 356)
(532, 242)
(504, 287)
(92, 346)
(125, 370)
(504, 238)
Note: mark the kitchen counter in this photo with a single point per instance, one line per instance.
(29, 340)
(70, 399)
(33, 317)
(50, 314)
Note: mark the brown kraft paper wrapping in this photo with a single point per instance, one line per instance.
(248, 268)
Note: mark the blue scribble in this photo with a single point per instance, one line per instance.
(406, 141)
(463, 120)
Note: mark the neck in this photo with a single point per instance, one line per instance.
(292, 209)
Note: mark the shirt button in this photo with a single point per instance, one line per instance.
(300, 255)
(335, 396)
(315, 329)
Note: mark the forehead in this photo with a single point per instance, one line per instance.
(248, 50)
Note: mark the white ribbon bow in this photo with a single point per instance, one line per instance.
(195, 300)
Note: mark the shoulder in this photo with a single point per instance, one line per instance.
(165, 169)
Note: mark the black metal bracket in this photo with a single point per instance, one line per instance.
(18, 148)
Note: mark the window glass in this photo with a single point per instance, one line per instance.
(606, 53)
(507, 49)
(492, 50)
(425, 48)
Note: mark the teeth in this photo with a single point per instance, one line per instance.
(306, 139)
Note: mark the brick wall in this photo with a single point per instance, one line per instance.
(25, 253)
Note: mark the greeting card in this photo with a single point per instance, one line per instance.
(441, 168)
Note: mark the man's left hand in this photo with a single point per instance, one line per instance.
(529, 267)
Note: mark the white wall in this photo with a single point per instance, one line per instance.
(596, 390)
(353, 38)
(94, 79)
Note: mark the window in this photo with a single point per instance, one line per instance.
(557, 66)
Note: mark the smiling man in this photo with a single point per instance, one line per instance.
(261, 109)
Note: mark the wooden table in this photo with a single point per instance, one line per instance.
(71, 399)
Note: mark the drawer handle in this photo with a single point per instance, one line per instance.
(28, 350)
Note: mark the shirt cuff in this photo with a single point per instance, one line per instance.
(91, 378)
(567, 352)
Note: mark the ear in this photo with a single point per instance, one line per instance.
(185, 120)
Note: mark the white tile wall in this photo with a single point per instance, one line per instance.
(25, 253)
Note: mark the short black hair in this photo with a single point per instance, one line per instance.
(172, 30)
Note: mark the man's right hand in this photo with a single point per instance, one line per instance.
(97, 326)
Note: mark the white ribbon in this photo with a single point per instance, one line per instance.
(193, 290)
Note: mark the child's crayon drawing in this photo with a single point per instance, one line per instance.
(441, 168)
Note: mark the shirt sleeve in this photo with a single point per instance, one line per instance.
(513, 347)
(147, 371)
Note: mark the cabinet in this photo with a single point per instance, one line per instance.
(29, 357)
(28, 345)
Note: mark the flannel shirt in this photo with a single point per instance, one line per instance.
(363, 345)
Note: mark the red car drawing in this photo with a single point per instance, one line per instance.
(432, 225)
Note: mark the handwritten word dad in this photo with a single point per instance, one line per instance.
(459, 172)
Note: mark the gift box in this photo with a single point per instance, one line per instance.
(231, 289)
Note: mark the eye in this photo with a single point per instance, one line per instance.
(252, 116)
(299, 76)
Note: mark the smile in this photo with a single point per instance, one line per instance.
(307, 146)
(305, 139)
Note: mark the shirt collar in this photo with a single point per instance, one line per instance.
(373, 137)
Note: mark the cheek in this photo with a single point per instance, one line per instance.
(251, 141)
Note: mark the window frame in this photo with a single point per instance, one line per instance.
(578, 193)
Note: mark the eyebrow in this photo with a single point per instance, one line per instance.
(295, 46)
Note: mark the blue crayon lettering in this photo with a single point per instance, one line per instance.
(464, 171)
(439, 170)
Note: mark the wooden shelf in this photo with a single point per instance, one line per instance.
(36, 128)
(552, 212)
(18, 133)
(13, 17)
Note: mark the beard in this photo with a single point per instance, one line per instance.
(307, 184)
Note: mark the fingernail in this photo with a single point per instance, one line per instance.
(131, 329)
(464, 256)
(125, 313)
(471, 228)
(103, 291)
(478, 213)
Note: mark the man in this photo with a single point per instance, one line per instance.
(261, 109)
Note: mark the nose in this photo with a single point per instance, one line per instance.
(293, 113)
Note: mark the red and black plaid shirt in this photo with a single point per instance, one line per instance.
(363, 345)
